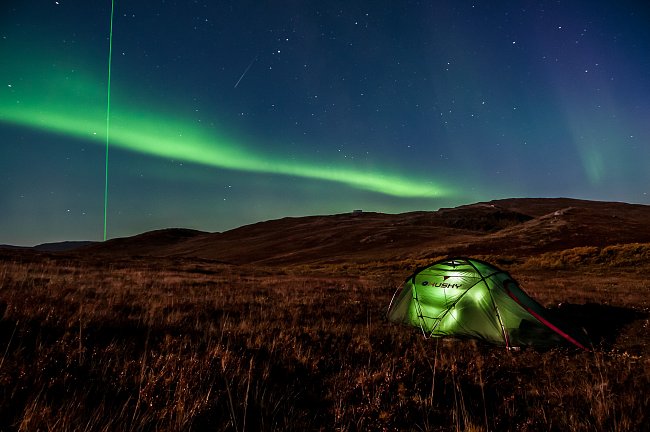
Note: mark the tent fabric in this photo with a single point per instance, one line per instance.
(468, 298)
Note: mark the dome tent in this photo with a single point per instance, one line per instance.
(468, 298)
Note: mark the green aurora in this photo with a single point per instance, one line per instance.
(72, 105)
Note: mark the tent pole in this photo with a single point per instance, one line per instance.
(506, 338)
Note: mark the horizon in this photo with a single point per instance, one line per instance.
(230, 114)
(351, 212)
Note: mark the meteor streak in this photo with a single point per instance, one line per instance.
(245, 71)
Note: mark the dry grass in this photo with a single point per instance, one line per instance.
(624, 255)
(182, 345)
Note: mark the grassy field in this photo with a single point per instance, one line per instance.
(193, 345)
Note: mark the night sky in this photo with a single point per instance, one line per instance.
(230, 112)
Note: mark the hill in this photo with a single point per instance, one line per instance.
(509, 227)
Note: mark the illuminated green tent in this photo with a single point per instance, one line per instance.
(467, 298)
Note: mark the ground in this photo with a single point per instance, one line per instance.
(191, 344)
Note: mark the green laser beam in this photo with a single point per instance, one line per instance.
(66, 104)
(108, 116)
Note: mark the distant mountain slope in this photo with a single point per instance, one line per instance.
(521, 226)
(62, 246)
(153, 243)
(564, 223)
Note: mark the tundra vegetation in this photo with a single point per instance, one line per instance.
(182, 344)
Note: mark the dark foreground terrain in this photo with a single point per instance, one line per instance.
(94, 342)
